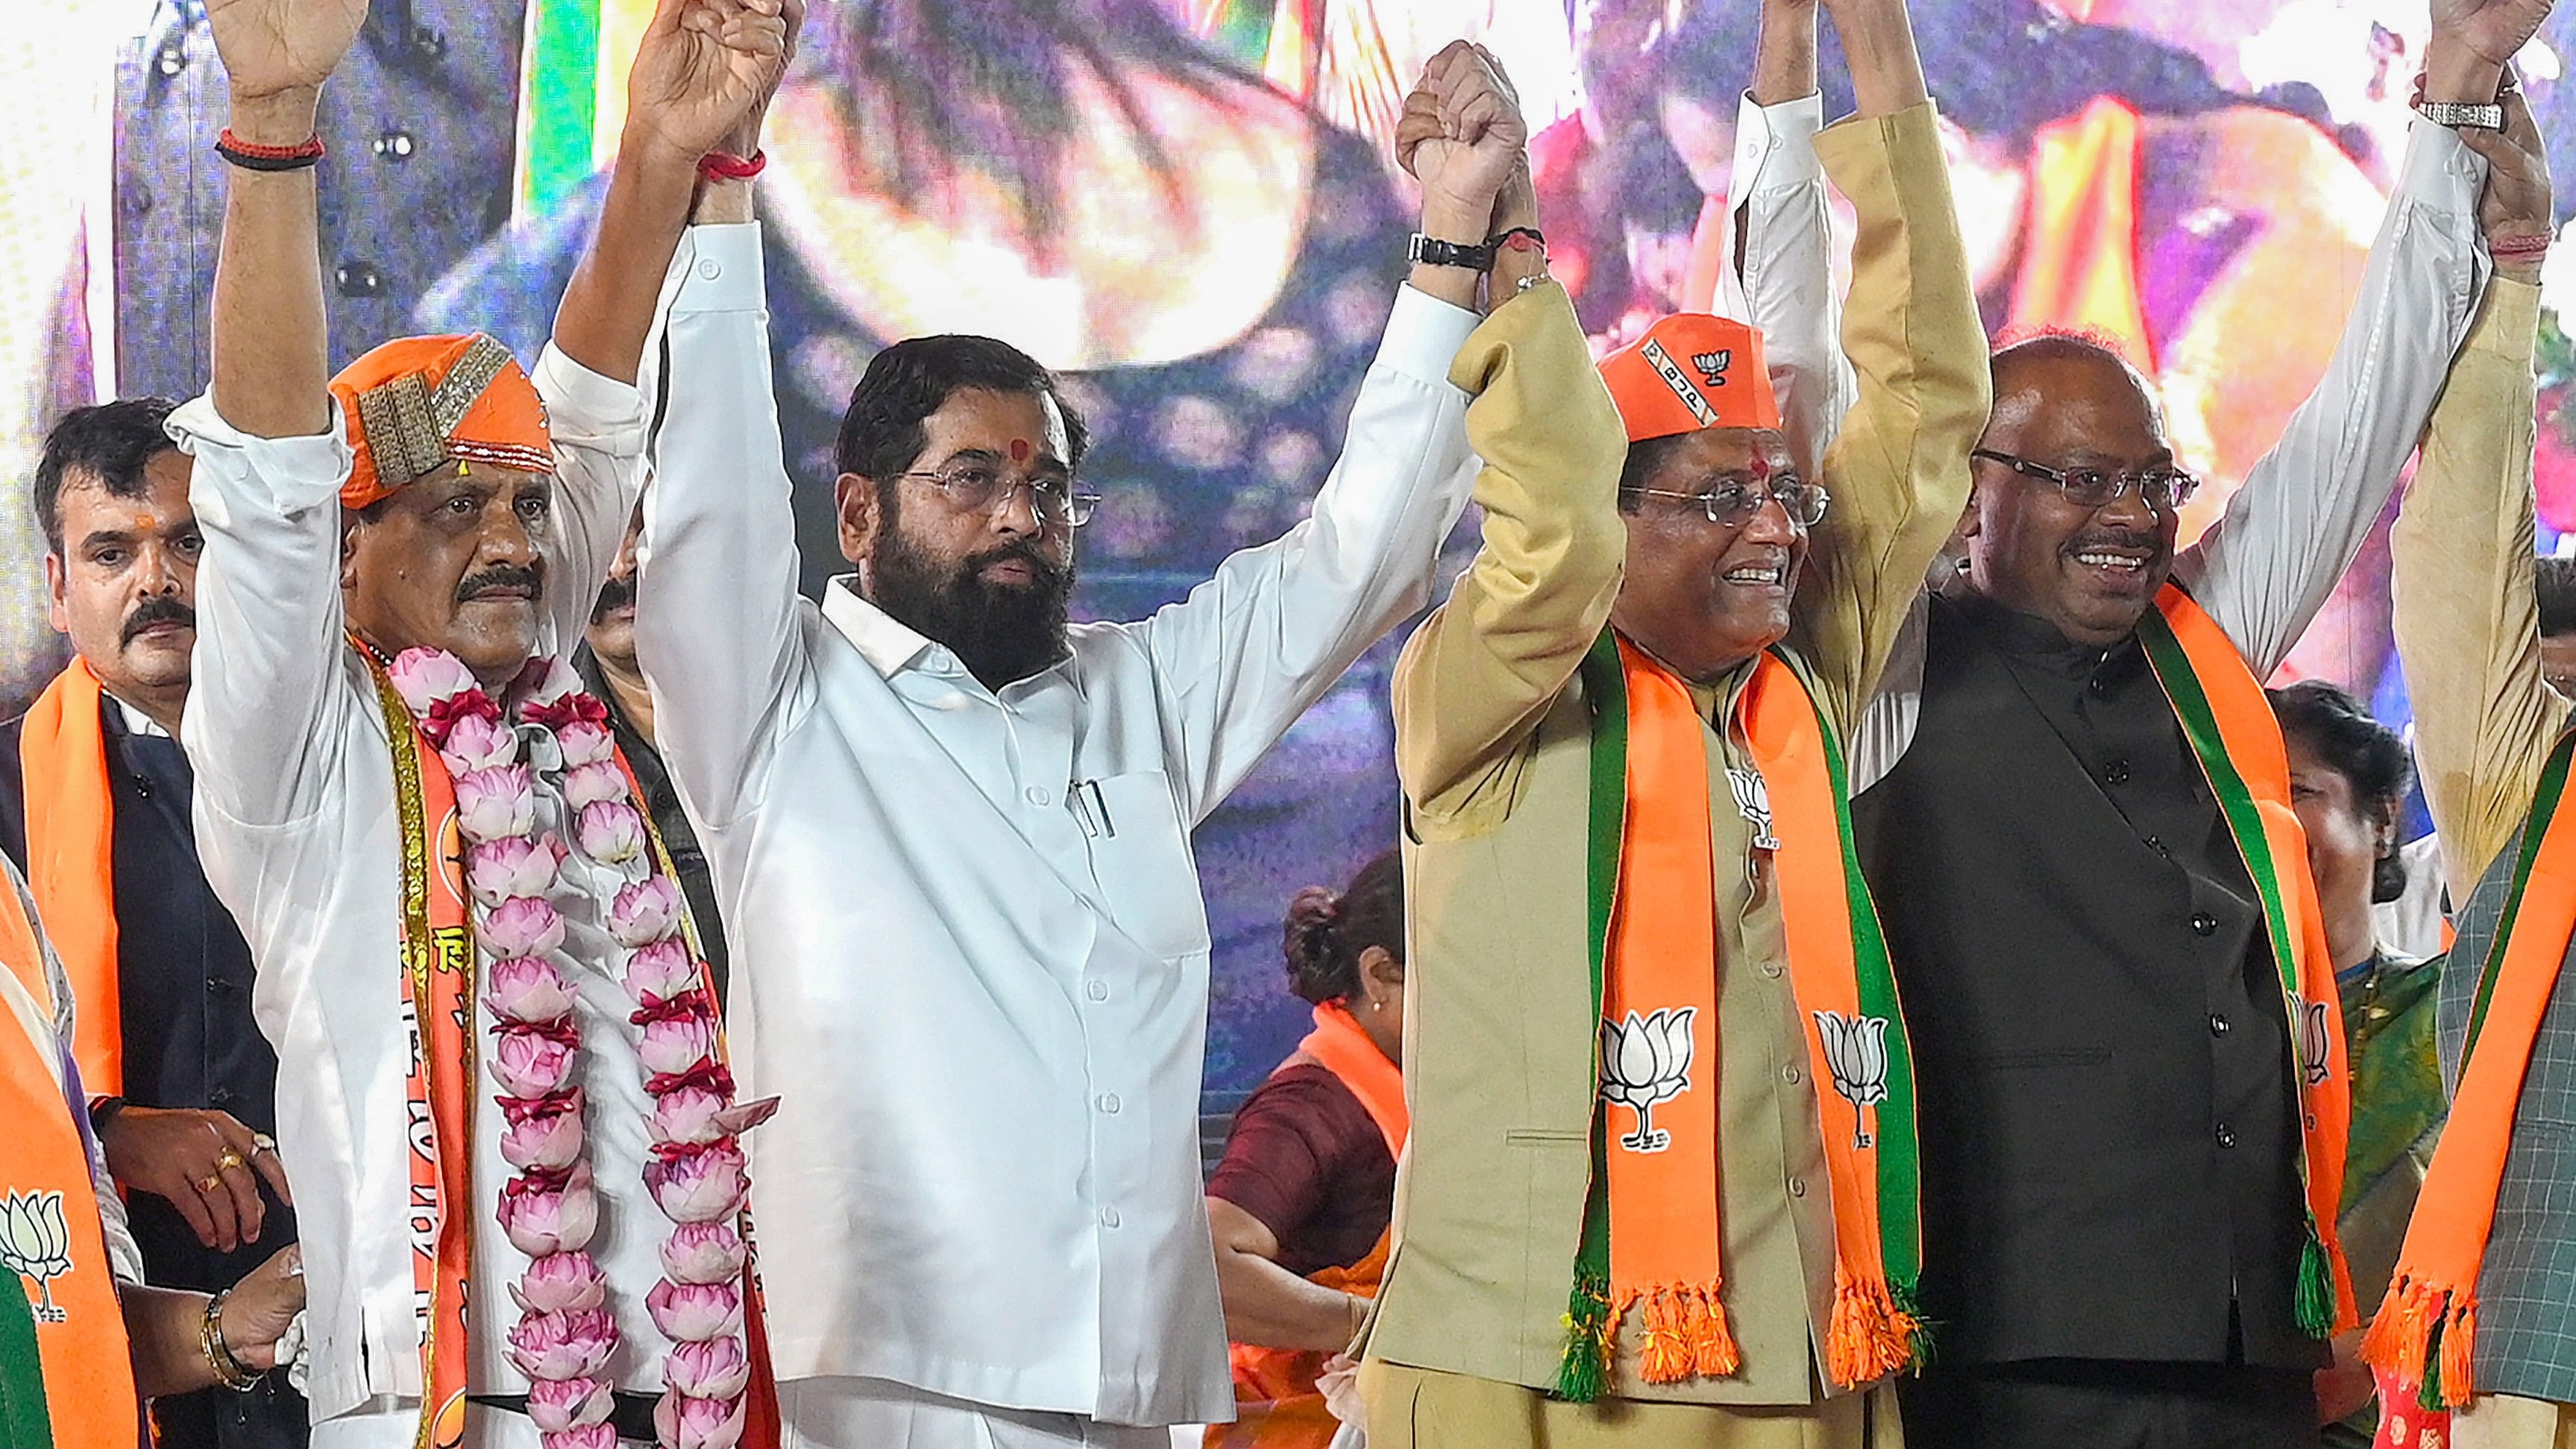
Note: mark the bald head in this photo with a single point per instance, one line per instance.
(2061, 366)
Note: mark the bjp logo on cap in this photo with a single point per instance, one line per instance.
(1691, 371)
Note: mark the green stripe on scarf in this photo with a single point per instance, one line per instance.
(562, 100)
(26, 1420)
(1584, 1373)
(2544, 807)
(2315, 1304)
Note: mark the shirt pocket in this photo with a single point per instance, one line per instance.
(1140, 861)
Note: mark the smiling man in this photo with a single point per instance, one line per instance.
(94, 800)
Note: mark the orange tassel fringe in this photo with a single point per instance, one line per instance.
(2402, 1338)
(1682, 1332)
(1868, 1337)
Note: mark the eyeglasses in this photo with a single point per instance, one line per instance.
(1805, 503)
(981, 488)
(2164, 487)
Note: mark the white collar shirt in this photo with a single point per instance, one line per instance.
(969, 948)
(297, 824)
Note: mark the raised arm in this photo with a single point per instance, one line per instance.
(2304, 510)
(269, 458)
(1898, 466)
(2468, 626)
(703, 71)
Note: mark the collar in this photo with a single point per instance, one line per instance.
(136, 722)
(2030, 637)
(889, 646)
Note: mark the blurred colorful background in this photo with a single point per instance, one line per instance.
(1187, 208)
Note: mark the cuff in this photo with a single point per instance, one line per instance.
(1775, 146)
(2440, 168)
(719, 267)
(289, 475)
(1423, 335)
(2511, 326)
(580, 402)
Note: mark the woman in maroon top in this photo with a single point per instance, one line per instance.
(1299, 1207)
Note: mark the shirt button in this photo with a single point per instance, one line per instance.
(2156, 843)
(2226, 1135)
(1109, 1217)
(2204, 924)
(709, 268)
(1791, 1075)
(1771, 969)
(1096, 990)
(2217, 1024)
(2116, 773)
(2097, 687)
(219, 1095)
(1109, 1103)
(1038, 795)
(1797, 1187)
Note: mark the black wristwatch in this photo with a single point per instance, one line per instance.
(103, 1109)
(1430, 251)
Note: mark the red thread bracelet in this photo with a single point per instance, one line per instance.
(309, 149)
(726, 166)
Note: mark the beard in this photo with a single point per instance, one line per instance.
(1002, 633)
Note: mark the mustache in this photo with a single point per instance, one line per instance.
(159, 609)
(2145, 539)
(1050, 574)
(502, 576)
(616, 593)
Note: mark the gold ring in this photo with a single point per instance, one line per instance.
(228, 1161)
(211, 1182)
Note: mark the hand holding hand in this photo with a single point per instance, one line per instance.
(258, 1309)
(1480, 141)
(703, 69)
(2492, 30)
(272, 47)
(206, 1163)
(2515, 208)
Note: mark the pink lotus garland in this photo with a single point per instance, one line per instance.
(565, 1337)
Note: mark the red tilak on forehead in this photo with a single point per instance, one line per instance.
(1019, 450)
(1761, 468)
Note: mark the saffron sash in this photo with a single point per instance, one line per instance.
(2426, 1331)
(1651, 1237)
(2228, 721)
(71, 862)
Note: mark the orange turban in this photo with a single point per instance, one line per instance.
(1691, 371)
(420, 402)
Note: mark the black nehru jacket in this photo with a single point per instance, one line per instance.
(2100, 1046)
(184, 986)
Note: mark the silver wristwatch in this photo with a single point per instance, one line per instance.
(2458, 115)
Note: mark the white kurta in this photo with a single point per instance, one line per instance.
(969, 947)
(296, 821)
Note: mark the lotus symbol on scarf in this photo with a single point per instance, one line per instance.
(2313, 1039)
(36, 1241)
(1646, 1060)
(1856, 1052)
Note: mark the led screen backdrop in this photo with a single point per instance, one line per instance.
(1186, 208)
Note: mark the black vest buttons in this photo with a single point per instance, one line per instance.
(2116, 773)
(2204, 924)
(2226, 1135)
(2217, 1024)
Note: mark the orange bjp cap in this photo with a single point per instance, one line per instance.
(418, 403)
(1691, 371)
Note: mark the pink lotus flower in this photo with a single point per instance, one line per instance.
(662, 969)
(676, 1044)
(541, 1220)
(687, 1423)
(521, 926)
(494, 803)
(560, 1282)
(477, 742)
(714, 1368)
(610, 831)
(691, 1312)
(588, 1436)
(590, 784)
(423, 677)
(698, 1186)
(544, 680)
(645, 911)
(559, 1346)
(512, 865)
(545, 1137)
(532, 1064)
(528, 989)
(584, 743)
(703, 1253)
(687, 1115)
(561, 1404)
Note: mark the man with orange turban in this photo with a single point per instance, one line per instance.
(502, 1094)
(1659, 1187)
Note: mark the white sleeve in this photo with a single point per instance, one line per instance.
(715, 599)
(1784, 281)
(2264, 569)
(124, 1254)
(262, 724)
(1249, 650)
(597, 427)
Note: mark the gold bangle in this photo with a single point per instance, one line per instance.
(230, 1371)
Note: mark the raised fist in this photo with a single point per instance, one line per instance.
(2493, 30)
(706, 67)
(1462, 134)
(273, 46)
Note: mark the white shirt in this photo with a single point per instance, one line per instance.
(969, 948)
(2264, 569)
(296, 823)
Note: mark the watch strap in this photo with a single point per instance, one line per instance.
(1431, 251)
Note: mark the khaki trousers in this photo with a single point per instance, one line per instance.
(1410, 1408)
(2501, 1421)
